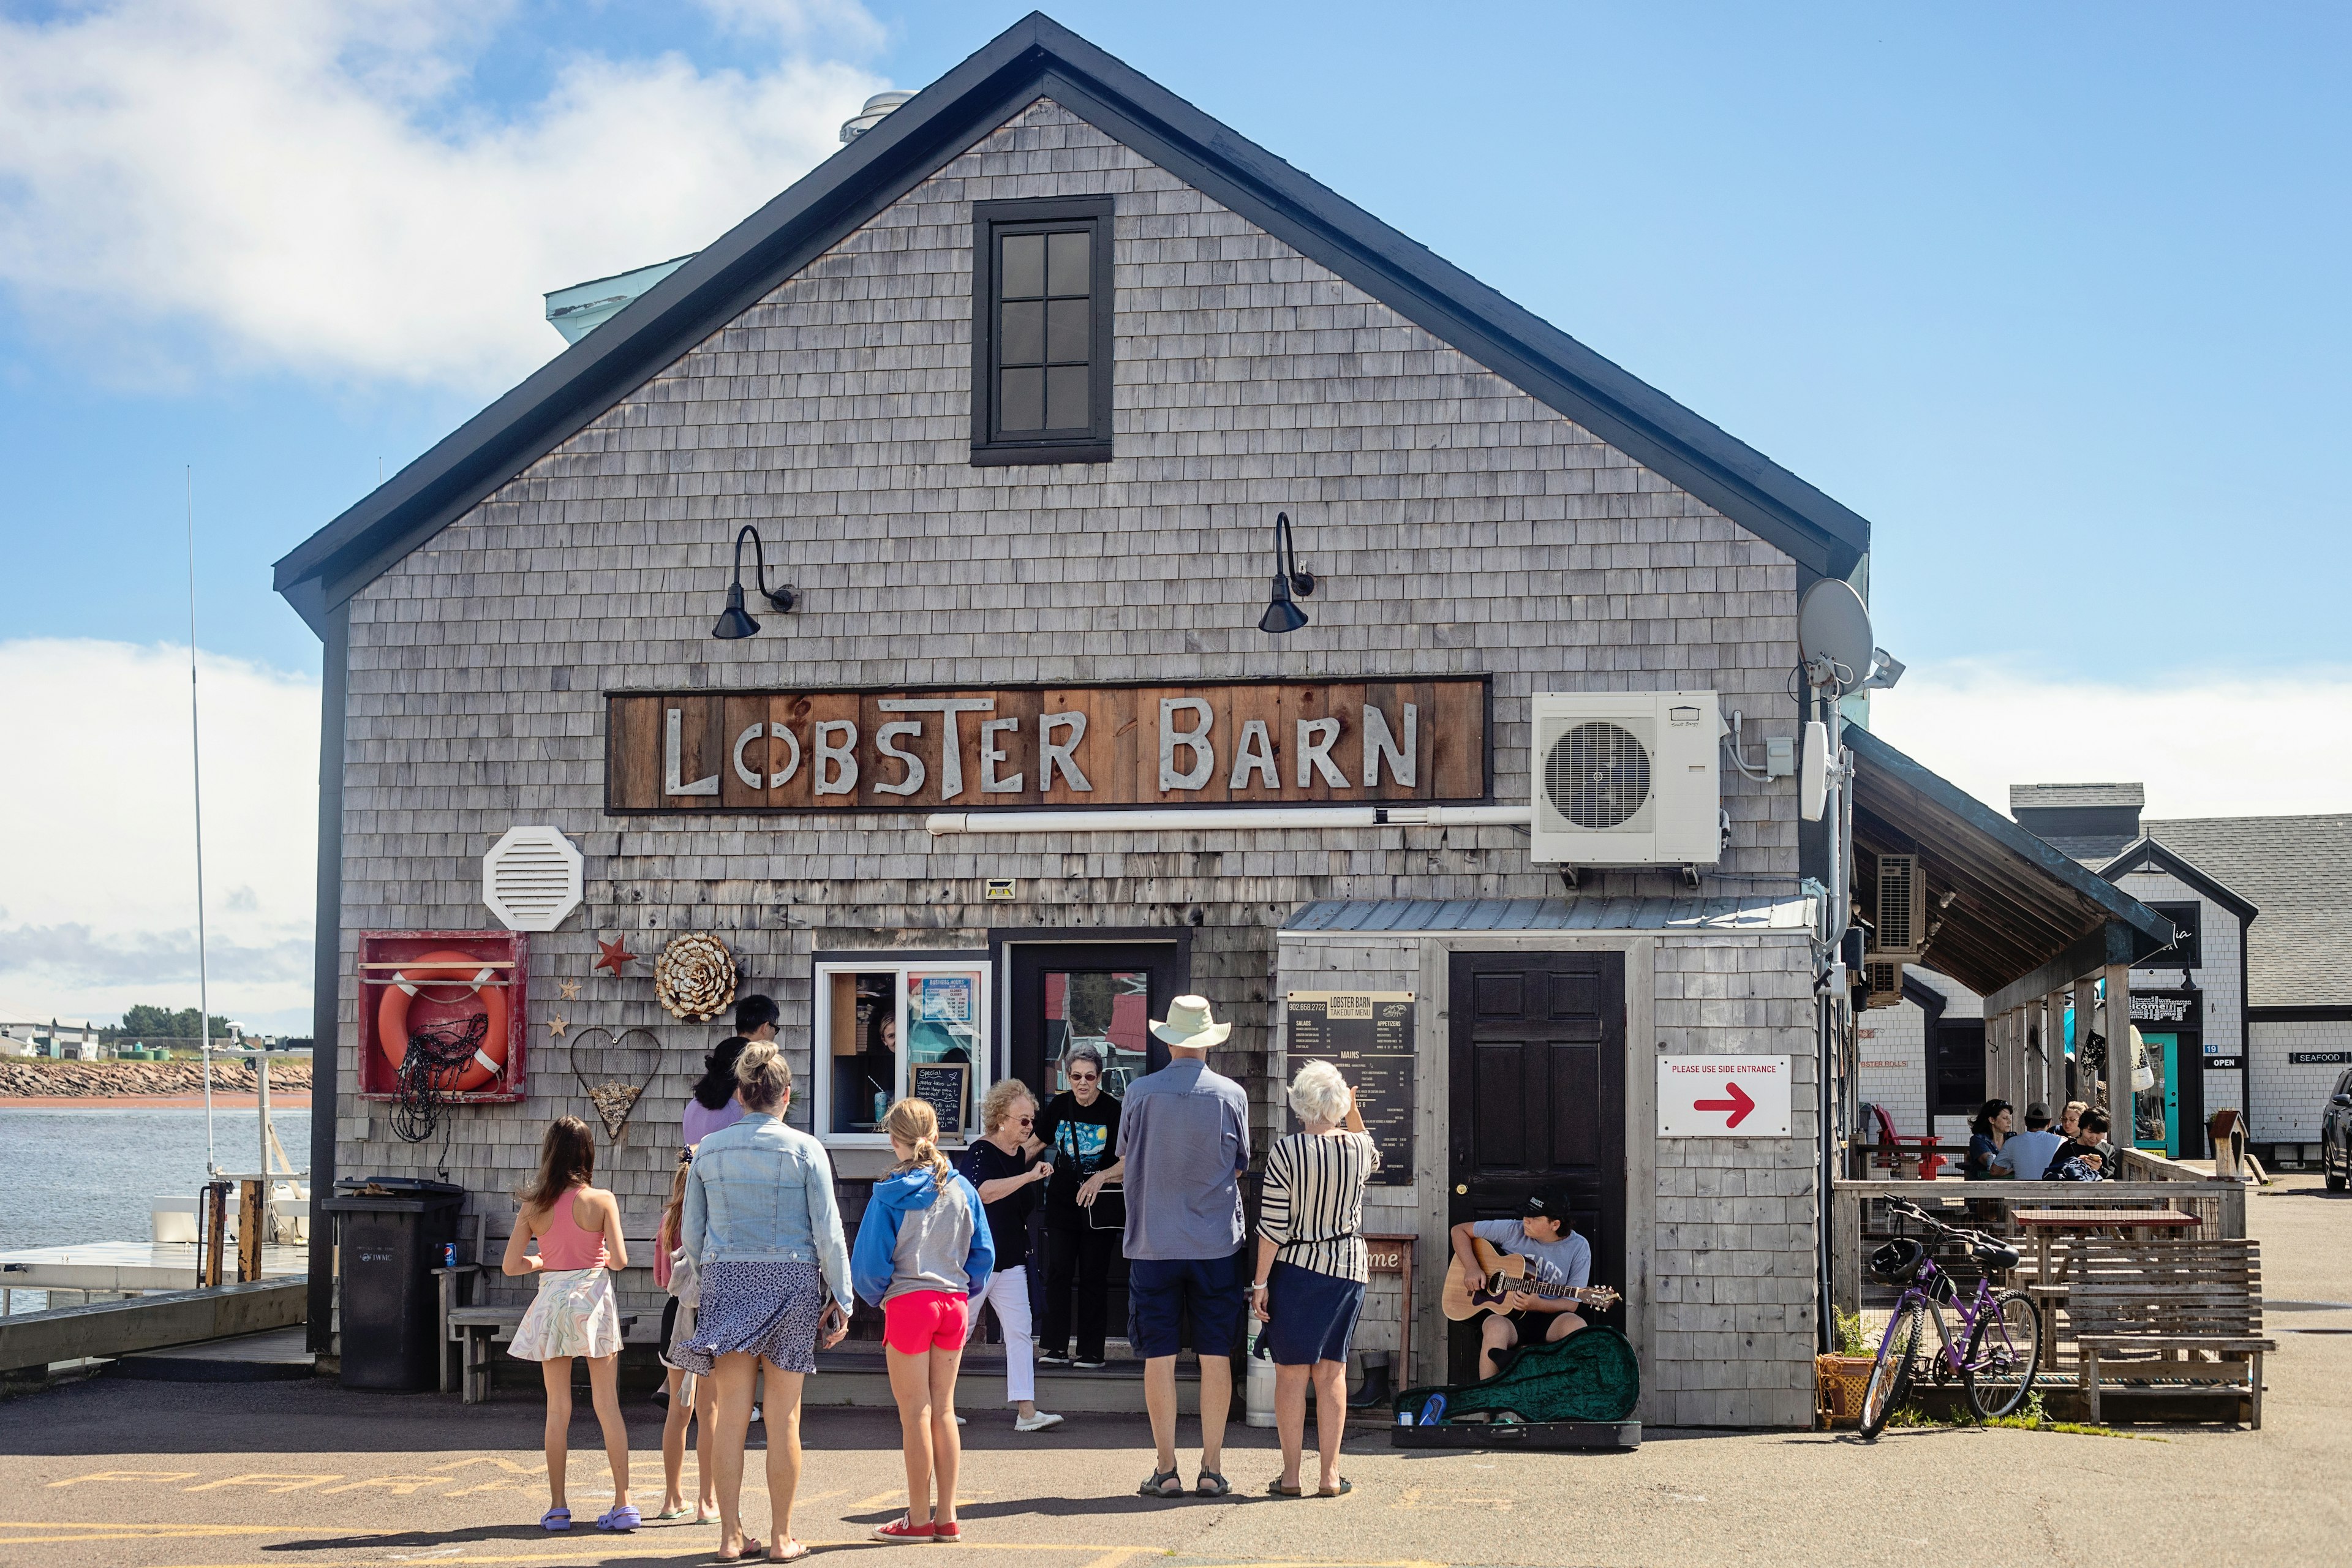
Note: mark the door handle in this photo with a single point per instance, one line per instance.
(1463, 1188)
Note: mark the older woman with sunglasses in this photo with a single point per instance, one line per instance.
(1080, 1131)
(1001, 1166)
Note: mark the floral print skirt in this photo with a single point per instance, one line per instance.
(573, 1314)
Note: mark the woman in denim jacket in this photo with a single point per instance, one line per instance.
(765, 1236)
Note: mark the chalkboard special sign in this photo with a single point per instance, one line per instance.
(1368, 1036)
(943, 1084)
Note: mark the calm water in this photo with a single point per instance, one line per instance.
(86, 1176)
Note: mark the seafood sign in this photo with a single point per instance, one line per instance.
(1267, 742)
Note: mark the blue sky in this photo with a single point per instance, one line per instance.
(2047, 294)
(2050, 294)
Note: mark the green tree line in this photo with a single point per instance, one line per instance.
(146, 1023)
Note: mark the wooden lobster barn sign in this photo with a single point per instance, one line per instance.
(1240, 743)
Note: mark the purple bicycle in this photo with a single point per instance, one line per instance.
(2003, 1332)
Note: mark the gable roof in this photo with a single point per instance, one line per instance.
(2147, 855)
(1037, 57)
(2299, 869)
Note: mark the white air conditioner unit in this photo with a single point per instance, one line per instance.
(1625, 778)
(1901, 931)
(1884, 978)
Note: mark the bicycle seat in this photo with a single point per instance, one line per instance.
(1994, 1257)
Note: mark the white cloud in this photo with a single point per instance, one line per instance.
(97, 850)
(309, 184)
(2276, 746)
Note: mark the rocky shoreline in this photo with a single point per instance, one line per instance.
(139, 1080)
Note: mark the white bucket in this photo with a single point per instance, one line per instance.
(1257, 1392)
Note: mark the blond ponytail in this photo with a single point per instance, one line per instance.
(914, 1123)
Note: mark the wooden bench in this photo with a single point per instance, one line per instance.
(476, 1330)
(2169, 1316)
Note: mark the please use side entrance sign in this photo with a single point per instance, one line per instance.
(1722, 1097)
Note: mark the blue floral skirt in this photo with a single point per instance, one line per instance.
(768, 1309)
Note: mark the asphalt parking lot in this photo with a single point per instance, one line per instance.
(151, 1475)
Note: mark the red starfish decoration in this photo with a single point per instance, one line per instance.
(615, 953)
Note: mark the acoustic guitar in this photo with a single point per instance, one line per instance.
(1507, 1272)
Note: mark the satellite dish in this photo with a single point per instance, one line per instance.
(1833, 625)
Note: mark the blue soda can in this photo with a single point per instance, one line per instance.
(449, 1254)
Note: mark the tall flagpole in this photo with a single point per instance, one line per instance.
(204, 994)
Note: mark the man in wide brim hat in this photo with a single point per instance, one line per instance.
(1190, 1026)
(1183, 1141)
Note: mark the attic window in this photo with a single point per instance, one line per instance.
(1041, 353)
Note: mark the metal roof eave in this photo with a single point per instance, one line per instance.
(2129, 927)
(1034, 55)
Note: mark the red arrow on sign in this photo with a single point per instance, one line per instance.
(1739, 1105)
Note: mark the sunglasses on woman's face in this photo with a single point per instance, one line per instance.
(1084, 1077)
(1024, 1120)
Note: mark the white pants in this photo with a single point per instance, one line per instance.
(1008, 1292)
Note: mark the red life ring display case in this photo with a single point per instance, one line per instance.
(415, 980)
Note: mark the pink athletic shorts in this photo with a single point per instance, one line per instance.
(923, 1320)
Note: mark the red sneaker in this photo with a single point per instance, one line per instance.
(904, 1529)
(946, 1534)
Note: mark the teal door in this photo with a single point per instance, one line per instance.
(2156, 1108)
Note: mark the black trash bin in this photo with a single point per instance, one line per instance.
(390, 1232)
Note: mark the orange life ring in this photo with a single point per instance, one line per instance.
(446, 968)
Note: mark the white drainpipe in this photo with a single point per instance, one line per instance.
(1241, 817)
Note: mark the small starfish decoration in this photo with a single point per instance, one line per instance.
(615, 953)
(569, 990)
(558, 1023)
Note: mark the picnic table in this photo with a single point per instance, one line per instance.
(2049, 1291)
(2042, 1225)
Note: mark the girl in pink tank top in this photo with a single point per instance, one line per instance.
(573, 1313)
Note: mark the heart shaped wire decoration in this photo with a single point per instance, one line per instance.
(616, 1074)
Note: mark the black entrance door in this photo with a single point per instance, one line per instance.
(1103, 993)
(1539, 1100)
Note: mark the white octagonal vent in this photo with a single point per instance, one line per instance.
(530, 879)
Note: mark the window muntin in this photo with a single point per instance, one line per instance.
(878, 1021)
(1041, 340)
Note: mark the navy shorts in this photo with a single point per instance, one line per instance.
(1313, 1316)
(1162, 1292)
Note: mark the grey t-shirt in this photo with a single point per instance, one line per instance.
(1567, 1261)
(1184, 1134)
(2027, 1154)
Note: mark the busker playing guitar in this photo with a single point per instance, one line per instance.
(1556, 1256)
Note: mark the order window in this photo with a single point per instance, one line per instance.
(893, 1029)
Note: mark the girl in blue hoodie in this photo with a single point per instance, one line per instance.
(923, 1252)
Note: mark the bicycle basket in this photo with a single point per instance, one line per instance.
(1897, 1262)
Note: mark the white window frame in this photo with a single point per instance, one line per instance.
(899, 965)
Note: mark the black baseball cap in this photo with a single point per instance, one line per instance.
(1553, 1205)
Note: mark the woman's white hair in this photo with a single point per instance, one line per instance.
(1319, 1093)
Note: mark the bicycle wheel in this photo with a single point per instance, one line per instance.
(2004, 1354)
(1890, 1380)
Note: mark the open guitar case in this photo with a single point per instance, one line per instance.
(1577, 1393)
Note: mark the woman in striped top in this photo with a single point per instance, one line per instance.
(1311, 1268)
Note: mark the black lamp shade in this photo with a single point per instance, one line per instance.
(1281, 614)
(735, 621)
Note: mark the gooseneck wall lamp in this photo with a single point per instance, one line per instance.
(734, 621)
(1281, 614)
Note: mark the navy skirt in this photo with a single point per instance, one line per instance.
(1313, 1315)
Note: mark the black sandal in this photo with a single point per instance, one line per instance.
(1276, 1489)
(1157, 1487)
(1345, 1487)
(1221, 1486)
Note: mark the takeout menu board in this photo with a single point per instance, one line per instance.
(1368, 1036)
(943, 1085)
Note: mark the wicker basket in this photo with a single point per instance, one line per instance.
(1838, 1383)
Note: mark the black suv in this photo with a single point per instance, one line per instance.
(2336, 1136)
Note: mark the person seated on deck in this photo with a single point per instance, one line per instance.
(2080, 1157)
(1556, 1256)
